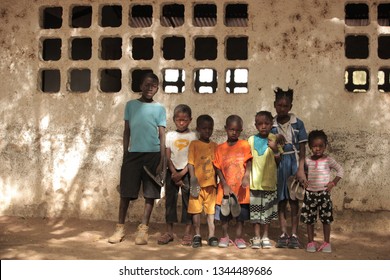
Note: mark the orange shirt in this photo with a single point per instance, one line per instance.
(231, 160)
(201, 156)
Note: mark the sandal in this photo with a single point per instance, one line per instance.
(196, 241)
(194, 190)
(165, 238)
(235, 207)
(187, 240)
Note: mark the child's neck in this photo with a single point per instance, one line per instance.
(204, 140)
(145, 100)
(263, 136)
(232, 142)
(183, 131)
(313, 157)
(283, 119)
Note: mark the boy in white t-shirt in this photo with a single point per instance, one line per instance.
(177, 143)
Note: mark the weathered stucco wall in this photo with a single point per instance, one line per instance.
(60, 153)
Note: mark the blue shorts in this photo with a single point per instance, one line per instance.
(244, 215)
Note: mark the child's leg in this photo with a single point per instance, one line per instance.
(225, 228)
(239, 227)
(326, 229)
(294, 205)
(265, 230)
(256, 228)
(123, 206)
(149, 204)
(282, 216)
(196, 222)
(310, 232)
(210, 223)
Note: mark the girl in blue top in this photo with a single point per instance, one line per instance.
(292, 130)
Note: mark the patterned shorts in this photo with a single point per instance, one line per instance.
(317, 203)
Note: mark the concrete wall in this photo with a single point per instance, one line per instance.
(60, 153)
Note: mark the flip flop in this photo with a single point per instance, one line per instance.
(194, 190)
(235, 207)
(158, 179)
(297, 190)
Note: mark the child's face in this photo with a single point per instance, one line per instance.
(233, 131)
(263, 125)
(149, 88)
(205, 130)
(282, 106)
(182, 121)
(317, 147)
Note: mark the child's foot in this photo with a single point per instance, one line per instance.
(293, 242)
(142, 235)
(213, 241)
(325, 247)
(224, 242)
(187, 240)
(311, 247)
(240, 243)
(196, 241)
(266, 243)
(165, 238)
(282, 241)
(118, 235)
(255, 242)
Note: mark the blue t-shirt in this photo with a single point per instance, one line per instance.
(144, 120)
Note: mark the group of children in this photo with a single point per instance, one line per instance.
(241, 180)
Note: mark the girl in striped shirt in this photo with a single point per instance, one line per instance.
(319, 184)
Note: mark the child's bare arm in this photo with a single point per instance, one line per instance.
(301, 169)
(162, 166)
(246, 179)
(193, 179)
(226, 188)
(126, 138)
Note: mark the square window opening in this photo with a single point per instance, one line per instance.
(357, 79)
(111, 16)
(174, 48)
(80, 80)
(136, 76)
(237, 48)
(142, 48)
(81, 48)
(356, 46)
(110, 80)
(384, 14)
(51, 17)
(172, 15)
(384, 80)
(205, 80)
(51, 49)
(384, 47)
(236, 15)
(237, 80)
(206, 48)
(111, 48)
(50, 80)
(81, 16)
(205, 15)
(141, 16)
(173, 81)
(356, 14)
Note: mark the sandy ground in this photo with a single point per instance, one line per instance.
(75, 239)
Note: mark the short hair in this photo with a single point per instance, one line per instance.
(182, 108)
(150, 75)
(279, 94)
(315, 134)
(204, 118)
(266, 114)
(234, 118)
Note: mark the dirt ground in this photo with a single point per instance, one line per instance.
(75, 239)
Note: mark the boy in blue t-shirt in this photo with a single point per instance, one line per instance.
(143, 145)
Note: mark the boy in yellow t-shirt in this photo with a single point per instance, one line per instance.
(203, 179)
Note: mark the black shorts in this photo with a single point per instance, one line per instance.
(133, 174)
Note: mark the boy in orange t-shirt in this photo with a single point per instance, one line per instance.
(233, 164)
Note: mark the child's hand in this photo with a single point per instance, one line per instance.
(194, 182)
(176, 176)
(179, 183)
(273, 145)
(245, 182)
(330, 186)
(226, 189)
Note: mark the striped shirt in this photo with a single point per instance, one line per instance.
(320, 171)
